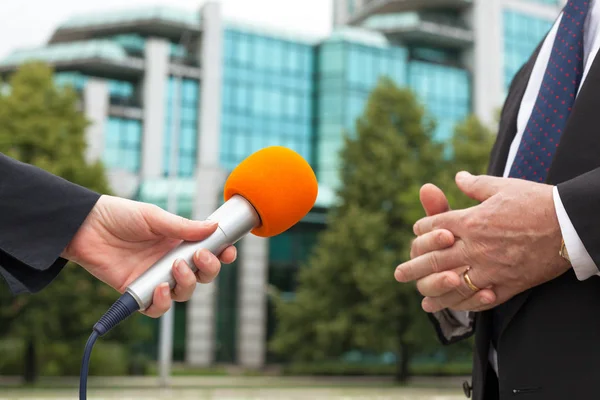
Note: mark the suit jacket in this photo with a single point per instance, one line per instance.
(549, 346)
(39, 215)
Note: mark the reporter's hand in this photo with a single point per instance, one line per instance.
(120, 239)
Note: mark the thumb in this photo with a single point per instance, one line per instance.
(433, 199)
(480, 187)
(163, 223)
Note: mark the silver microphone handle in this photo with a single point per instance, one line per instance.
(236, 219)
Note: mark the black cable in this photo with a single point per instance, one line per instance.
(125, 306)
(85, 365)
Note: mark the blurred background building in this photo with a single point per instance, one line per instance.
(228, 90)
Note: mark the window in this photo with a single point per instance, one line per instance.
(350, 6)
(347, 73)
(186, 112)
(121, 93)
(445, 92)
(548, 2)
(522, 34)
(266, 101)
(122, 149)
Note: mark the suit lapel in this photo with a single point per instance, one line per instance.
(579, 150)
(578, 153)
(506, 134)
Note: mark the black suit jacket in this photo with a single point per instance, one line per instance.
(39, 215)
(549, 346)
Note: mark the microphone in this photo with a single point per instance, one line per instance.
(266, 194)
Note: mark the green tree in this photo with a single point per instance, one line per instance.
(41, 124)
(471, 145)
(347, 297)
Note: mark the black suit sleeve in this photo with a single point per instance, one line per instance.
(39, 215)
(581, 198)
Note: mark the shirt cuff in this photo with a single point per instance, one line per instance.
(582, 262)
(463, 317)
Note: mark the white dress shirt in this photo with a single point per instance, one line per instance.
(583, 265)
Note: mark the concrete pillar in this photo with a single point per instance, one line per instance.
(340, 12)
(154, 95)
(211, 85)
(488, 72)
(252, 302)
(200, 339)
(96, 103)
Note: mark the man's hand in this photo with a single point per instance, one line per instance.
(511, 240)
(445, 287)
(121, 238)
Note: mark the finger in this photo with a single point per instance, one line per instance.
(163, 223)
(480, 187)
(482, 300)
(185, 281)
(463, 295)
(208, 266)
(436, 240)
(436, 285)
(433, 199)
(161, 301)
(427, 264)
(450, 220)
(229, 255)
(456, 301)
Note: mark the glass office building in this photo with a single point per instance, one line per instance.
(159, 81)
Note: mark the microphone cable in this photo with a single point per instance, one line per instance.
(124, 307)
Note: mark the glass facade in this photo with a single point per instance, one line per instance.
(548, 2)
(347, 72)
(122, 146)
(267, 95)
(185, 113)
(522, 34)
(446, 92)
(120, 92)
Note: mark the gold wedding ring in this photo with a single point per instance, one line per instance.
(468, 280)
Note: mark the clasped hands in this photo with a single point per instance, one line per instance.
(509, 243)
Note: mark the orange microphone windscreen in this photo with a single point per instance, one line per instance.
(280, 185)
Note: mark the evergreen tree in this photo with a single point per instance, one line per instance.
(471, 145)
(347, 298)
(42, 124)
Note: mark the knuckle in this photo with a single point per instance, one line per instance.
(470, 222)
(414, 248)
(434, 262)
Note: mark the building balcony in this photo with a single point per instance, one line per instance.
(412, 27)
(375, 7)
(148, 21)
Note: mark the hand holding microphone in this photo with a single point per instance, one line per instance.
(121, 237)
(266, 194)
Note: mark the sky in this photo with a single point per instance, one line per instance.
(29, 23)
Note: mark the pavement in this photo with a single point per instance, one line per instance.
(237, 388)
(213, 382)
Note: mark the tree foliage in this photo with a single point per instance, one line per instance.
(347, 297)
(42, 124)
